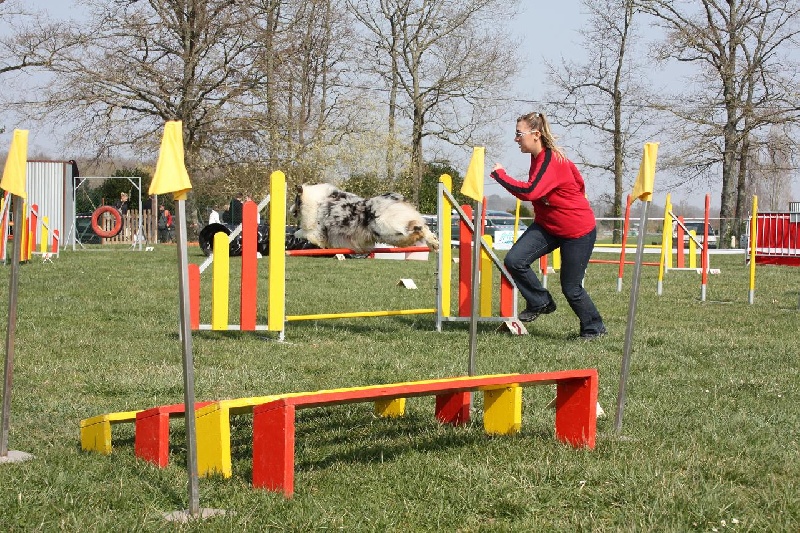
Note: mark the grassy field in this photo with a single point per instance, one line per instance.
(710, 430)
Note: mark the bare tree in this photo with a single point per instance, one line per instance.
(146, 62)
(29, 44)
(602, 95)
(235, 74)
(382, 48)
(770, 170)
(297, 116)
(442, 57)
(743, 51)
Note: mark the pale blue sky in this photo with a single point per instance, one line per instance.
(552, 26)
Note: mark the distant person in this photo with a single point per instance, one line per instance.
(164, 224)
(213, 217)
(235, 210)
(76, 174)
(122, 204)
(225, 214)
(563, 219)
(170, 226)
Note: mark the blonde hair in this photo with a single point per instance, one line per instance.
(537, 121)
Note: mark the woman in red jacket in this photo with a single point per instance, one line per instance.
(563, 219)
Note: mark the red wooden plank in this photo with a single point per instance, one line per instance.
(274, 422)
(55, 242)
(151, 437)
(576, 412)
(507, 298)
(194, 295)
(465, 238)
(249, 287)
(273, 449)
(453, 408)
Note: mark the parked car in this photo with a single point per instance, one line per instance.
(83, 229)
(433, 222)
(494, 223)
(206, 239)
(699, 229)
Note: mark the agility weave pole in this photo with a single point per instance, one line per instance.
(13, 182)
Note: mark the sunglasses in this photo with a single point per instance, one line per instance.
(518, 134)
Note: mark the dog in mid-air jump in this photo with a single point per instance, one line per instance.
(333, 218)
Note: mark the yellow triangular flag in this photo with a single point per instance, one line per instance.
(170, 174)
(473, 181)
(16, 168)
(643, 188)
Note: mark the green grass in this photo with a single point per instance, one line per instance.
(711, 423)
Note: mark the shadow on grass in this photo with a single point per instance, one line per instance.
(329, 436)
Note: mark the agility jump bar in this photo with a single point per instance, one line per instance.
(276, 315)
(348, 251)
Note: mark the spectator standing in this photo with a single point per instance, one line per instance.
(213, 217)
(164, 224)
(122, 207)
(235, 209)
(122, 204)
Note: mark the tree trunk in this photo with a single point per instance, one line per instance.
(416, 152)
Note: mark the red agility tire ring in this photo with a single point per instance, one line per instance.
(115, 229)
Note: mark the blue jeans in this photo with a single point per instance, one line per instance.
(575, 254)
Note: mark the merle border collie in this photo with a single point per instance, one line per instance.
(333, 218)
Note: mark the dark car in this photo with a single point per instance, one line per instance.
(206, 239)
(493, 225)
(84, 232)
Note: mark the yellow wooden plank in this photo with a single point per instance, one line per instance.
(276, 310)
(502, 410)
(486, 286)
(213, 427)
(404, 383)
(445, 250)
(220, 282)
(213, 440)
(122, 416)
(96, 431)
(390, 408)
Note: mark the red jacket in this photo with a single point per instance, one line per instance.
(557, 192)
